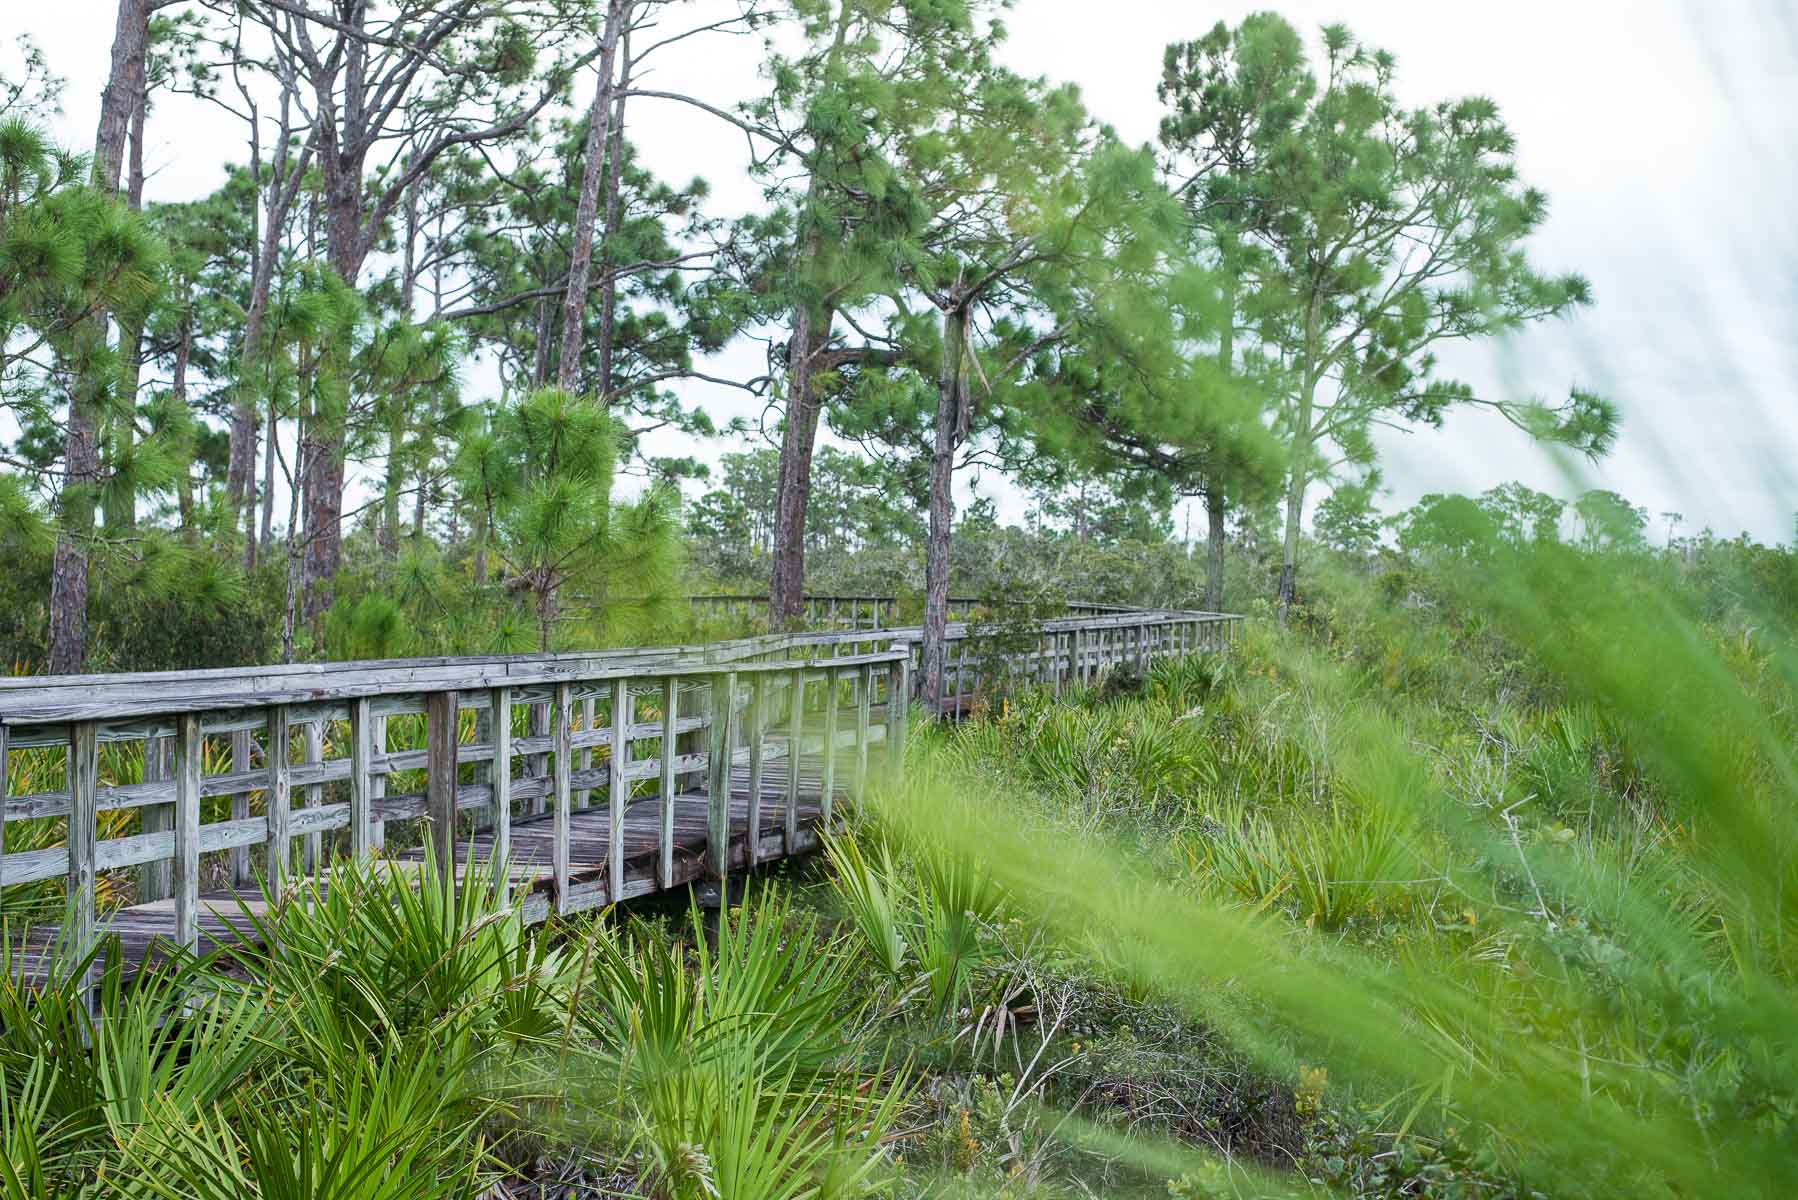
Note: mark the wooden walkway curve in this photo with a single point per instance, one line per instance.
(598, 777)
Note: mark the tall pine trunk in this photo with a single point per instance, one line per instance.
(798, 443)
(951, 425)
(1216, 509)
(121, 499)
(75, 527)
(586, 212)
(1297, 480)
(608, 293)
(184, 341)
(81, 462)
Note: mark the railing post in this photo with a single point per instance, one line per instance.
(84, 796)
(279, 799)
(561, 716)
(312, 847)
(499, 707)
(4, 738)
(537, 765)
(620, 786)
(377, 785)
(589, 714)
(756, 734)
(186, 865)
(720, 735)
(241, 745)
(830, 747)
(362, 783)
(898, 704)
(795, 747)
(864, 705)
(152, 877)
(440, 782)
(670, 738)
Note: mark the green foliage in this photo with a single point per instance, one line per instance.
(383, 954)
(731, 1061)
(540, 475)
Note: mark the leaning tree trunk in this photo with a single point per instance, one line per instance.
(799, 439)
(586, 212)
(951, 423)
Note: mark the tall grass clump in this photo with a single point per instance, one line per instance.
(1537, 938)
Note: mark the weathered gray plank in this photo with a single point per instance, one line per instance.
(898, 702)
(755, 732)
(362, 784)
(670, 724)
(242, 745)
(720, 746)
(279, 795)
(188, 768)
(5, 760)
(561, 715)
(312, 849)
(620, 789)
(795, 747)
(828, 784)
(84, 784)
(500, 702)
(864, 707)
(153, 877)
(440, 782)
(377, 783)
(583, 797)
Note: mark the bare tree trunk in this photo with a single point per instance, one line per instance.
(608, 296)
(1297, 481)
(586, 213)
(540, 361)
(786, 585)
(183, 353)
(124, 92)
(390, 487)
(81, 464)
(283, 189)
(950, 425)
(240, 463)
(121, 501)
(266, 535)
(68, 571)
(1215, 512)
(1216, 499)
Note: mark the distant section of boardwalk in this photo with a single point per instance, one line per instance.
(599, 777)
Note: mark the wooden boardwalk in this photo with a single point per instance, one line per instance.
(146, 931)
(202, 795)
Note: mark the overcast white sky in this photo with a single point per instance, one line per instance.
(1666, 135)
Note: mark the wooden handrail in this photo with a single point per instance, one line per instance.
(756, 718)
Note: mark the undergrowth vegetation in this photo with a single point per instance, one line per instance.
(1459, 888)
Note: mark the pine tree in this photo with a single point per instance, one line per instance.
(1380, 232)
(541, 477)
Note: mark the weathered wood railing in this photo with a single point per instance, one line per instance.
(317, 759)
